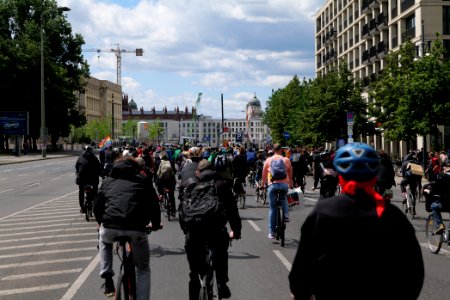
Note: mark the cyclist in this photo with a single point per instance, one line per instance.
(410, 178)
(277, 185)
(439, 188)
(386, 176)
(88, 169)
(240, 170)
(209, 233)
(166, 179)
(345, 248)
(328, 177)
(127, 203)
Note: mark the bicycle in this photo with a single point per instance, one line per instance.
(126, 281)
(207, 280)
(398, 168)
(435, 241)
(89, 201)
(239, 192)
(409, 206)
(280, 227)
(165, 204)
(261, 193)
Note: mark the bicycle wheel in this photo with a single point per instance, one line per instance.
(282, 230)
(258, 195)
(242, 200)
(167, 206)
(87, 207)
(264, 196)
(278, 224)
(434, 241)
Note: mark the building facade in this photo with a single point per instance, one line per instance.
(362, 32)
(102, 99)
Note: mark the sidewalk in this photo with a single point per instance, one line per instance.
(12, 159)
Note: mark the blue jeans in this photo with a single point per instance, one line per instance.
(436, 208)
(141, 257)
(272, 192)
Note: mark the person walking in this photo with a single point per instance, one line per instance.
(345, 249)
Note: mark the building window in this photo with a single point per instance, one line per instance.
(446, 19)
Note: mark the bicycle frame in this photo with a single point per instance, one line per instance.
(88, 201)
(207, 279)
(126, 281)
(281, 221)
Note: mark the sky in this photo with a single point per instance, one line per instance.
(234, 48)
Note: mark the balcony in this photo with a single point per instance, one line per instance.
(365, 31)
(373, 52)
(382, 49)
(382, 21)
(394, 12)
(406, 4)
(366, 57)
(373, 26)
(409, 33)
(374, 4)
(365, 6)
(394, 42)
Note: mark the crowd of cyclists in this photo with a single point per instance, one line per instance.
(274, 170)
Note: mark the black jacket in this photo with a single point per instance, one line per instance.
(225, 195)
(127, 199)
(87, 168)
(347, 252)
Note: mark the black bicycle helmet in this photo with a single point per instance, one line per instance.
(357, 161)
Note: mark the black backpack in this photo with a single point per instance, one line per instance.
(221, 162)
(201, 208)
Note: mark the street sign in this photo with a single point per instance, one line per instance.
(239, 137)
(286, 135)
(349, 118)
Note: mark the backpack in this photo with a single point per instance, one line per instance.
(200, 208)
(220, 162)
(165, 171)
(278, 169)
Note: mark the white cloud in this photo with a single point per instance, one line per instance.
(237, 47)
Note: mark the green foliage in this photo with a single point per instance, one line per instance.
(20, 57)
(129, 128)
(155, 130)
(315, 111)
(412, 96)
(97, 130)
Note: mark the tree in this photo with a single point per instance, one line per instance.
(97, 130)
(412, 95)
(155, 130)
(129, 129)
(65, 68)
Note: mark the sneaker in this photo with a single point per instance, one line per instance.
(404, 201)
(440, 229)
(83, 210)
(109, 287)
(224, 291)
(271, 236)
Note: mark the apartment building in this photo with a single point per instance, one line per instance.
(362, 32)
(102, 99)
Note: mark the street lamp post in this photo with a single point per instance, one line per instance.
(43, 128)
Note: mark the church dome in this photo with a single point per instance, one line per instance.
(255, 102)
(132, 105)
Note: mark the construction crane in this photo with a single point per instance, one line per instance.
(195, 117)
(118, 51)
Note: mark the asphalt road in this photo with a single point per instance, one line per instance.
(48, 250)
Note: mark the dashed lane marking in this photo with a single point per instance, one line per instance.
(44, 231)
(41, 274)
(283, 259)
(49, 237)
(5, 191)
(34, 289)
(253, 224)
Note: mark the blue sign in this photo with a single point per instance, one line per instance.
(286, 135)
(238, 137)
(14, 122)
(349, 118)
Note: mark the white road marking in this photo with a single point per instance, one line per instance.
(40, 218)
(48, 237)
(37, 205)
(81, 279)
(444, 251)
(283, 259)
(36, 222)
(48, 252)
(44, 226)
(47, 244)
(44, 231)
(56, 178)
(253, 224)
(34, 289)
(48, 273)
(8, 190)
(47, 213)
(45, 262)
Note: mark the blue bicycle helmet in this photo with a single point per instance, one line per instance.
(357, 161)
